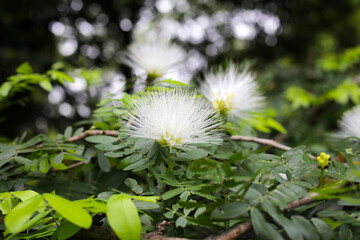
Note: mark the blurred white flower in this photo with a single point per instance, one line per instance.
(233, 93)
(157, 60)
(174, 119)
(115, 85)
(350, 123)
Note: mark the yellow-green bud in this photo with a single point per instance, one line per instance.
(323, 160)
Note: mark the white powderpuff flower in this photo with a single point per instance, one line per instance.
(174, 118)
(233, 93)
(350, 123)
(157, 60)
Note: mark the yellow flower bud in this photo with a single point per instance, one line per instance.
(323, 160)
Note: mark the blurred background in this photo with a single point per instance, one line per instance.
(305, 53)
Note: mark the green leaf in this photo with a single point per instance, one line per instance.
(305, 227)
(25, 195)
(199, 211)
(169, 178)
(291, 228)
(60, 76)
(129, 160)
(133, 185)
(103, 162)
(93, 205)
(145, 205)
(24, 161)
(293, 156)
(35, 140)
(181, 222)
(138, 165)
(230, 210)
(345, 233)
(323, 228)
(5, 89)
(46, 85)
(35, 221)
(263, 229)
(24, 68)
(275, 125)
(145, 198)
(88, 154)
(123, 217)
(110, 146)
(59, 166)
(5, 206)
(203, 165)
(101, 139)
(9, 152)
(172, 82)
(144, 145)
(65, 231)
(44, 165)
(172, 193)
(193, 153)
(59, 158)
(69, 210)
(21, 213)
(122, 153)
(299, 97)
(68, 132)
(79, 131)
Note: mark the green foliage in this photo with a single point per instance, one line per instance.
(52, 215)
(340, 62)
(69, 210)
(26, 79)
(210, 187)
(345, 92)
(128, 227)
(115, 182)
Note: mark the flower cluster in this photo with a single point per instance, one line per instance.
(235, 94)
(156, 59)
(323, 160)
(174, 118)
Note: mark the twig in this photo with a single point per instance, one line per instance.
(69, 166)
(300, 202)
(264, 141)
(87, 134)
(232, 233)
(92, 133)
(115, 133)
(242, 228)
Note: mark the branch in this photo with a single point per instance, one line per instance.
(86, 134)
(300, 202)
(115, 133)
(92, 133)
(242, 228)
(233, 233)
(264, 141)
(69, 167)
